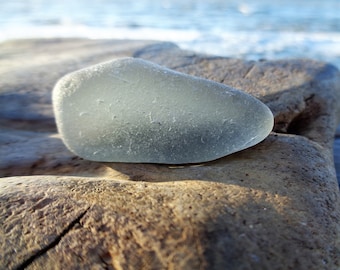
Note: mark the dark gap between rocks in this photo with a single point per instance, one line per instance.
(301, 124)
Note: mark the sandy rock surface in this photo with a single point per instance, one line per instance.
(273, 206)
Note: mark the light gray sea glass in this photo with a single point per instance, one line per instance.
(131, 110)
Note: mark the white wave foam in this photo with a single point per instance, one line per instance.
(247, 44)
(77, 30)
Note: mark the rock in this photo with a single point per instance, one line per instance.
(131, 110)
(272, 206)
(336, 149)
(203, 220)
(25, 99)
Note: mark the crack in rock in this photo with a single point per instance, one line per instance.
(55, 242)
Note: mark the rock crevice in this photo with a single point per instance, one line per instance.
(52, 245)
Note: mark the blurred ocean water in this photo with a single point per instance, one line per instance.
(248, 29)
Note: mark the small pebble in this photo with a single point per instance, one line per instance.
(132, 110)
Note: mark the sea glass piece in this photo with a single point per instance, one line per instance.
(132, 110)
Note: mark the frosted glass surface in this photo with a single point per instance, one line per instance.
(131, 110)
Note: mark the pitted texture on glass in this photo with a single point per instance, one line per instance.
(131, 110)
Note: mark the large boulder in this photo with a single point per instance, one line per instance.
(273, 206)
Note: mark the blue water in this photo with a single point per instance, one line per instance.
(269, 29)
